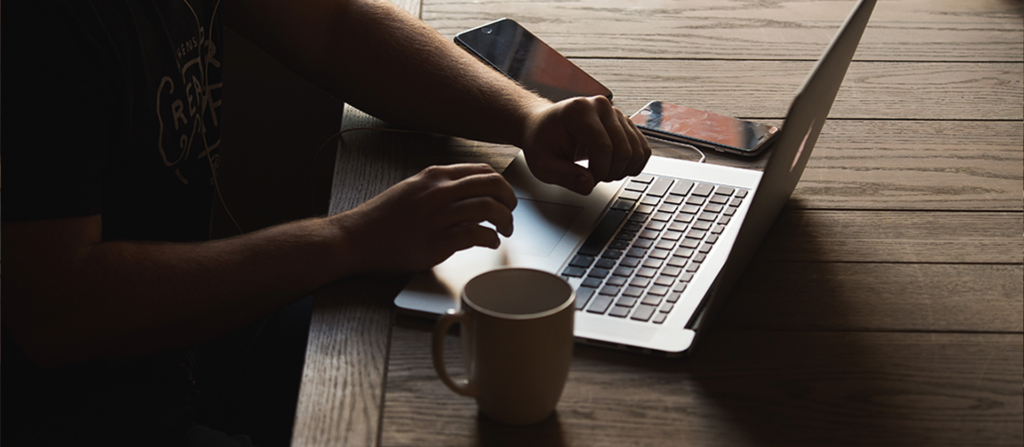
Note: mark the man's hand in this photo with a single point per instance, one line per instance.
(558, 135)
(423, 220)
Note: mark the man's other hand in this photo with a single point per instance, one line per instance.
(557, 135)
(423, 220)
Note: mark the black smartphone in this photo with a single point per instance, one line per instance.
(703, 129)
(516, 52)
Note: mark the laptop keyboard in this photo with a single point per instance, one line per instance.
(649, 246)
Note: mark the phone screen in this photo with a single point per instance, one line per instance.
(697, 126)
(520, 55)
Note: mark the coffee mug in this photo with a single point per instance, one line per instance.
(517, 339)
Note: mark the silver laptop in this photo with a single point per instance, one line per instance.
(651, 256)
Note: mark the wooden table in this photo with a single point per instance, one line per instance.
(884, 308)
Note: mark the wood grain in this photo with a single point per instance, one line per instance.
(922, 30)
(871, 90)
(742, 388)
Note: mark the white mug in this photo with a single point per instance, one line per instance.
(517, 339)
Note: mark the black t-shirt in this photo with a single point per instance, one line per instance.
(112, 108)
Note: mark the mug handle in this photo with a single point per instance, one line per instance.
(444, 323)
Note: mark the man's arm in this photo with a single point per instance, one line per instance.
(377, 57)
(69, 296)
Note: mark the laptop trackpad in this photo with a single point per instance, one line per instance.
(539, 226)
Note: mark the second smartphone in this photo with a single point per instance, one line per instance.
(703, 129)
(516, 52)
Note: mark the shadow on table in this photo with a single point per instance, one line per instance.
(542, 434)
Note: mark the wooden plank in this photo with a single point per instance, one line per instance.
(876, 297)
(907, 30)
(871, 90)
(895, 237)
(862, 164)
(342, 387)
(741, 388)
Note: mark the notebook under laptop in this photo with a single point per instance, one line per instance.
(650, 255)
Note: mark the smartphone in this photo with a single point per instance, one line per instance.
(516, 52)
(703, 129)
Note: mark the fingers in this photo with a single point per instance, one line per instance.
(613, 145)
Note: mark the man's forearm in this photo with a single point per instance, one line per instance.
(382, 60)
(122, 298)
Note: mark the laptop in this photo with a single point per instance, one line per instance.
(651, 257)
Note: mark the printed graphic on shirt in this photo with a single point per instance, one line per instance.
(188, 104)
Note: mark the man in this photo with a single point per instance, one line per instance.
(110, 142)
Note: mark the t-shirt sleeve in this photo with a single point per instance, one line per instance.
(57, 118)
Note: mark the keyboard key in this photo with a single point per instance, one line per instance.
(676, 261)
(592, 282)
(619, 244)
(599, 305)
(605, 263)
(626, 301)
(661, 217)
(671, 235)
(695, 200)
(630, 195)
(725, 190)
(581, 261)
(693, 267)
(682, 187)
(583, 295)
(724, 220)
(689, 209)
(619, 311)
(689, 243)
(666, 308)
(729, 211)
(665, 280)
(651, 300)
(684, 252)
(677, 226)
(718, 229)
(673, 297)
(636, 252)
(638, 217)
(611, 254)
(719, 198)
(741, 193)
(630, 261)
(574, 272)
(646, 272)
(696, 234)
(650, 200)
(659, 253)
(644, 242)
(623, 271)
(617, 281)
(659, 318)
(736, 202)
(671, 271)
(701, 225)
(684, 218)
(674, 199)
(633, 226)
(633, 291)
(703, 189)
(643, 313)
(685, 277)
(640, 282)
(634, 185)
(710, 217)
(711, 239)
(653, 263)
(658, 290)
(713, 208)
(598, 273)
(667, 208)
(610, 290)
(699, 257)
(644, 178)
(660, 186)
(705, 248)
(680, 286)
(666, 244)
(623, 204)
